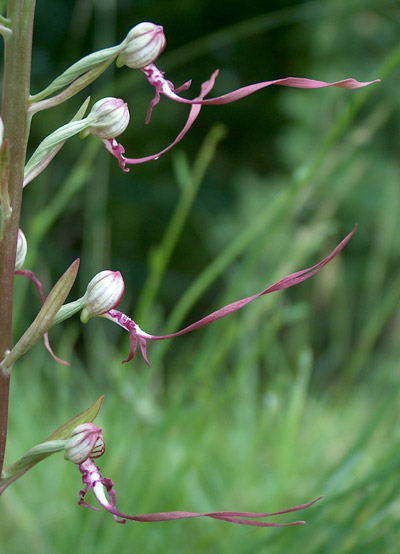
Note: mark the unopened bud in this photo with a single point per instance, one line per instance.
(86, 441)
(108, 118)
(142, 46)
(103, 293)
(1, 131)
(21, 250)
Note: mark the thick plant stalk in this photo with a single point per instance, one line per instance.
(16, 84)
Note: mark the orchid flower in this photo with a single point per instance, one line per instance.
(94, 305)
(162, 86)
(86, 442)
(19, 262)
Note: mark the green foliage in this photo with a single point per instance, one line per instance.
(297, 395)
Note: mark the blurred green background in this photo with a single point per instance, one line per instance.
(295, 396)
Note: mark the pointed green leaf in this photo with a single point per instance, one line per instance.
(87, 416)
(44, 319)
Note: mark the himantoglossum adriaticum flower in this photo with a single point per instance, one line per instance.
(105, 291)
(86, 443)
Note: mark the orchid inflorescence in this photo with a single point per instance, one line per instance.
(110, 117)
(107, 120)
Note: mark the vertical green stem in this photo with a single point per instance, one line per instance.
(16, 84)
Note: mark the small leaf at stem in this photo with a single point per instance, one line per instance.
(44, 319)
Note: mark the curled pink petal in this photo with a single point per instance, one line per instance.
(163, 86)
(136, 332)
(103, 490)
(32, 277)
(117, 150)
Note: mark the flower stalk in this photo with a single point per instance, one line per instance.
(16, 83)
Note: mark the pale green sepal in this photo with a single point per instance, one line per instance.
(52, 144)
(79, 68)
(45, 317)
(54, 443)
(85, 316)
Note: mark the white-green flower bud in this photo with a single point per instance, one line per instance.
(142, 46)
(22, 249)
(103, 293)
(1, 131)
(86, 441)
(108, 118)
